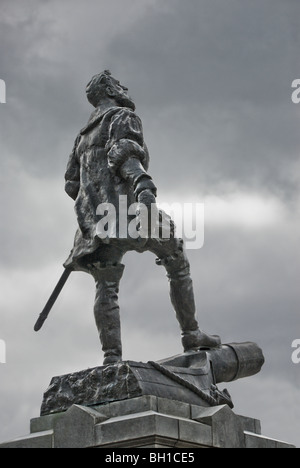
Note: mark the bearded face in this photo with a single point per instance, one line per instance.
(125, 101)
(120, 94)
(104, 86)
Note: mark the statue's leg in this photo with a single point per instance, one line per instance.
(172, 256)
(106, 268)
(107, 311)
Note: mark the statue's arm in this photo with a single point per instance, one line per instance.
(128, 155)
(72, 175)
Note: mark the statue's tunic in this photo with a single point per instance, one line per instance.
(109, 159)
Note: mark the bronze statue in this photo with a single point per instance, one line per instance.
(110, 162)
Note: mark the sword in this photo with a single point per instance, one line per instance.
(47, 309)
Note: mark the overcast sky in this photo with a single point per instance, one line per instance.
(212, 83)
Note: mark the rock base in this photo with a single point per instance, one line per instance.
(189, 378)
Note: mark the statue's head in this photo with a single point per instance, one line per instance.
(104, 86)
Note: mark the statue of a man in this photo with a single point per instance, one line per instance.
(110, 160)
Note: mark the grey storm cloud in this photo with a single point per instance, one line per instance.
(212, 84)
(226, 78)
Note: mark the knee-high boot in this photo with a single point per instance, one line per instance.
(107, 311)
(182, 298)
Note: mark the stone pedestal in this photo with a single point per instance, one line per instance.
(145, 422)
(174, 403)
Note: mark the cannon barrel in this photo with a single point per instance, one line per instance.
(229, 362)
(235, 361)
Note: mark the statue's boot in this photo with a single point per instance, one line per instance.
(107, 311)
(182, 297)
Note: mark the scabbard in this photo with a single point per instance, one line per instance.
(47, 309)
